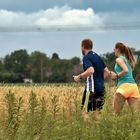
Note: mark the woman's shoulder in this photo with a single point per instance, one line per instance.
(119, 59)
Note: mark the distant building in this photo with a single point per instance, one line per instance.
(27, 80)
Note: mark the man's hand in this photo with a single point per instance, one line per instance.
(106, 72)
(84, 75)
(77, 78)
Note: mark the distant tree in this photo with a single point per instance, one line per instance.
(137, 55)
(137, 68)
(1, 65)
(75, 60)
(17, 62)
(37, 63)
(61, 71)
(109, 59)
(10, 77)
(55, 56)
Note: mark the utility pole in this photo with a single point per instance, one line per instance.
(41, 70)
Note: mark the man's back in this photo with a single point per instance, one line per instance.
(97, 80)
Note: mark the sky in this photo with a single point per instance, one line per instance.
(58, 26)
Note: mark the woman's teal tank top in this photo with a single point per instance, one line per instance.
(127, 78)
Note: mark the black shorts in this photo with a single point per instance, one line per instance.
(95, 101)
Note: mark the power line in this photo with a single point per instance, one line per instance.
(61, 28)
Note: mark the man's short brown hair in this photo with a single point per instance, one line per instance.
(87, 44)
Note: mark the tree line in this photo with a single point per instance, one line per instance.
(19, 65)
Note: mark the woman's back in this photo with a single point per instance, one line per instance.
(127, 78)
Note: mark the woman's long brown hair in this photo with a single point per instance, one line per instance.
(127, 52)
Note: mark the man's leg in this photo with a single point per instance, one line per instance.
(100, 99)
(85, 105)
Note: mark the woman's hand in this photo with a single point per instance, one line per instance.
(113, 75)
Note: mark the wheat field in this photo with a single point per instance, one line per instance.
(53, 112)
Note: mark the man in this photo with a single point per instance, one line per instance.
(94, 71)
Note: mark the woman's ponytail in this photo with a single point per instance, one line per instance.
(130, 57)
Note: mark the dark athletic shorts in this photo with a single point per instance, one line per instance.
(95, 101)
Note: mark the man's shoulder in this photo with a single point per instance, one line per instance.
(85, 58)
(90, 56)
(93, 55)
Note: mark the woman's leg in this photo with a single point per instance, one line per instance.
(133, 104)
(118, 103)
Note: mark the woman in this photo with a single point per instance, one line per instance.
(127, 89)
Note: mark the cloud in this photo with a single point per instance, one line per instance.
(53, 17)
(67, 18)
